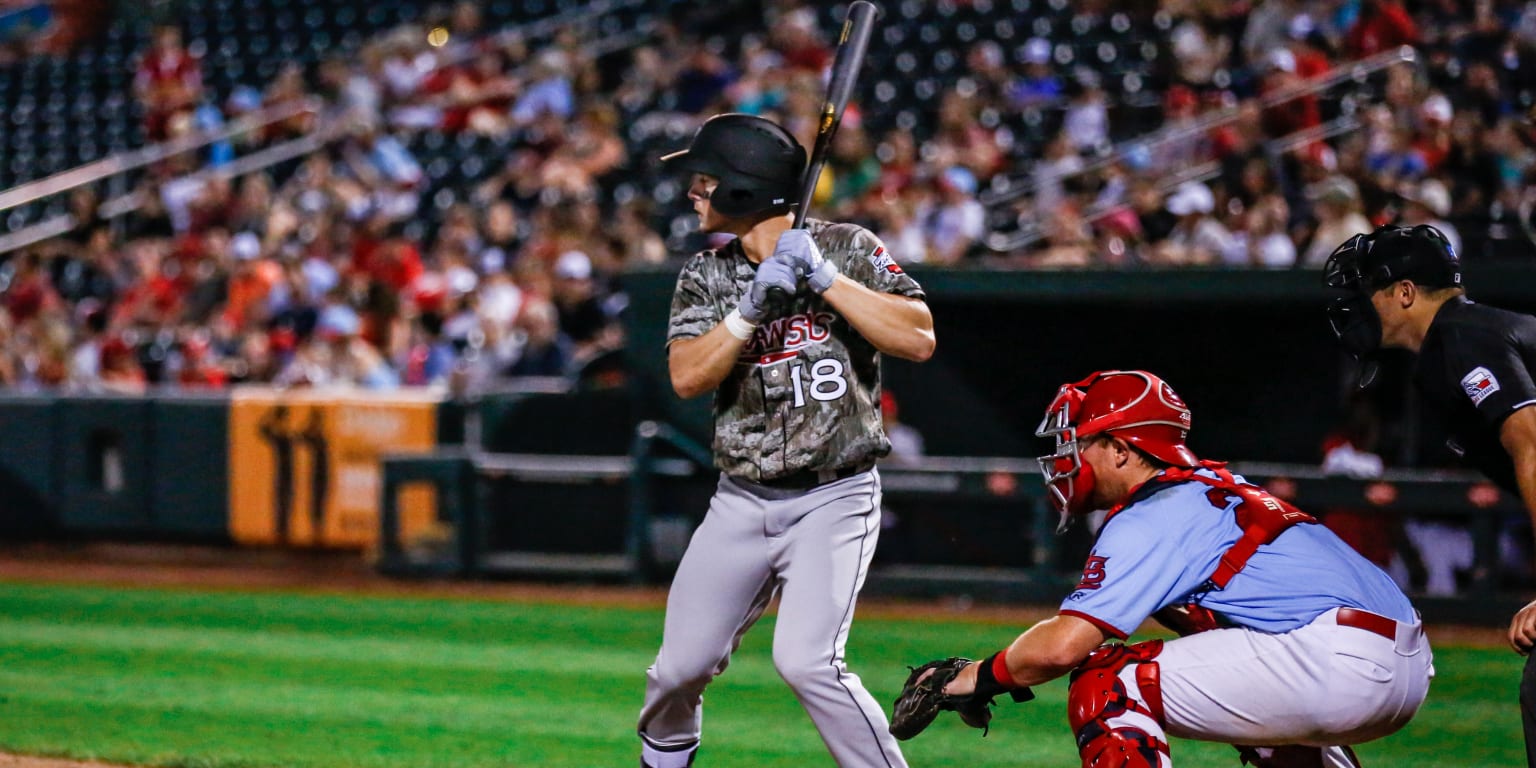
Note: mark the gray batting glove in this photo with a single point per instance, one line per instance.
(797, 246)
(774, 272)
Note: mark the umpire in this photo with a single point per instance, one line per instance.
(797, 431)
(1476, 365)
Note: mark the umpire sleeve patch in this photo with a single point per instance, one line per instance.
(1479, 384)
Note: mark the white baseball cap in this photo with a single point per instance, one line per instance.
(574, 265)
(245, 246)
(1037, 51)
(1191, 197)
(1437, 107)
(1432, 194)
(1300, 26)
(1282, 59)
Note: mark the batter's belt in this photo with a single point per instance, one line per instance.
(807, 479)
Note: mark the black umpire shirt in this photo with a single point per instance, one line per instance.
(1476, 367)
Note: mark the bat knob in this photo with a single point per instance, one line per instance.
(778, 301)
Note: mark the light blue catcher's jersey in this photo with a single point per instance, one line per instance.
(1160, 550)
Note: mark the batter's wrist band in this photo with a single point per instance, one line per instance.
(739, 326)
(823, 277)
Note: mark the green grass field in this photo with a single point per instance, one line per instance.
(224, 679)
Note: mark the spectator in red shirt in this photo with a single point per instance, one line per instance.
(120, 369)
(252, 280)
(287, 89)
(198, 368)
(30, 291)
(168, 82)
(1383, 25)
(798, 40)
(476, 96)
(396, 264)
(1310, 47)
(1434, 140)
(1291, 115)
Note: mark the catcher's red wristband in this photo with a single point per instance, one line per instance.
(1000, 670)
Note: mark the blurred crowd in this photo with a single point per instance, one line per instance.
(1447, 139)
(366, 263)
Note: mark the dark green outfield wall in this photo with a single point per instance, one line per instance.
(115, 465)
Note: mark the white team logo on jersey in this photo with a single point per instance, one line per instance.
(1479, 384)
(882, 260)
(782, 338)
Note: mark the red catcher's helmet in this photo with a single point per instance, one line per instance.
(1135, 406)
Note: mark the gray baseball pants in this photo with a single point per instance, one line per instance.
(813, 548)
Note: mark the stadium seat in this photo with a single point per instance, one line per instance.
(926, 90)
(945, 60)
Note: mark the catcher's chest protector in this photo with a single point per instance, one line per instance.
(1262, 517)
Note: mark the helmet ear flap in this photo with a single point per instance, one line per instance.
(732, 199)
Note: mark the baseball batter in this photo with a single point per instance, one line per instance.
(797, 432)
(1294, 646)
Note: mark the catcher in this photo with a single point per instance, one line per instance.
(1292, 645)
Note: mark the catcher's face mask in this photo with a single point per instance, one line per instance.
(1067, 478)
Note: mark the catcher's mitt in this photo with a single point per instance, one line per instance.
(923, 698)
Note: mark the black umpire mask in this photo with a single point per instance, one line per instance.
(1352, 316)
(1366, 263)
(1355, 323)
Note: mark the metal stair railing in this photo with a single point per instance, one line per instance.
(124, 202)
(1003, 243)
(1014, 189)
(135, 159)
(119, 165)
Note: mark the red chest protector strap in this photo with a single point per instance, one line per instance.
(1261, 516)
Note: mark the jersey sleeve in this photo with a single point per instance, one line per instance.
(866, 260)
(694, 311)
(1134, 569)
(1493, 372)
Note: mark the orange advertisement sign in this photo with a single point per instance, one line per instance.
(304, 464)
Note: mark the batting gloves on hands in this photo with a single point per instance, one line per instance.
(797, 246)
(774, 272)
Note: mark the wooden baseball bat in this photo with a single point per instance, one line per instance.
(857, 27)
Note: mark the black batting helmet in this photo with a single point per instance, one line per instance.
(758, 163)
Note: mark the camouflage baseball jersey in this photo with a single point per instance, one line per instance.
(805, 391)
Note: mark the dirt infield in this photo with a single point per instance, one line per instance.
(27, 761)
(349, 573)
(245, 569)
